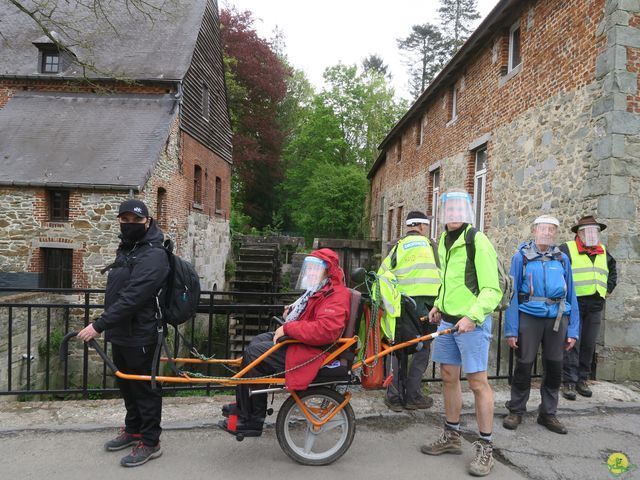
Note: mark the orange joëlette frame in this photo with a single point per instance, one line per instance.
(316, 418)
(239, 378)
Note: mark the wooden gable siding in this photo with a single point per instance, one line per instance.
(207, 68)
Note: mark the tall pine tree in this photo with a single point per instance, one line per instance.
(424, 53)
(457, 17)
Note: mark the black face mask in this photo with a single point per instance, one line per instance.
(132, 232)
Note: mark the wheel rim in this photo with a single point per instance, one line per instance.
(316, 445)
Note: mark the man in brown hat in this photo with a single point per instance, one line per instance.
(594, 276)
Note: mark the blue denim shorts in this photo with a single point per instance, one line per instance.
(471, 349)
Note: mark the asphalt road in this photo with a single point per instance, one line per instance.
(382, 449)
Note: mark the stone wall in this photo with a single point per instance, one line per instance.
(540, 163)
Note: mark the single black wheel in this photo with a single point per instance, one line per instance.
(306, 445)
(239, 437)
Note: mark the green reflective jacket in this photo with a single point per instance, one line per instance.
(456, 297)
(413, 263)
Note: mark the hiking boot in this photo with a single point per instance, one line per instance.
(583, 389)
(420, 404)
(140, 455)
(449, 442)
(512, 421)
(123, 440)
(483, 461)
(552, 423)
(393, 406)
(569, 391)
(229, 409)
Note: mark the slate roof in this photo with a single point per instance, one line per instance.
(133, 47)
(83, 140)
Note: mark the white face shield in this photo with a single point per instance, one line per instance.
(545, 234)
(313, 271)
(590, 235)
(457, 207)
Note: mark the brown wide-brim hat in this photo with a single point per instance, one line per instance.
(587, 220)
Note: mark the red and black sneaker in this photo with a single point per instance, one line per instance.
(238, 426)
(141, 454)
(123, 440)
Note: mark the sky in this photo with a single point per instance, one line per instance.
(321, 33)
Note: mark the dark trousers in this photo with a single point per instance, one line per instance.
(143, 403)
(254, 407)
(406, 383)
(533, 332)
(577, 361)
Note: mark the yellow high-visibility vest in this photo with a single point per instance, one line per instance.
(415, 267)
(588, 277)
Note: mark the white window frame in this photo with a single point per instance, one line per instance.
(479, 203)
(512, 30)
(422, 121)
(454, 104)
(435, 203)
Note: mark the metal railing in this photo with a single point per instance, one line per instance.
(34, 321)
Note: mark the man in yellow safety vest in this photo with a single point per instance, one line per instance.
(594, 277)
(413, 263)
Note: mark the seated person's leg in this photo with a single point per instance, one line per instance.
(250, 411)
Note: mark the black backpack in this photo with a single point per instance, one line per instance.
(182, 290)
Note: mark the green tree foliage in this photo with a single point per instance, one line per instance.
(365, 106)
(332, 201)
(376, 64)
(330, 150)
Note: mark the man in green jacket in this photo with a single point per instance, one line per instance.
(470, 291)
(413, 263)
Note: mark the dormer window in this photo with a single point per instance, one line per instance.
(50, 61)
(53, 57)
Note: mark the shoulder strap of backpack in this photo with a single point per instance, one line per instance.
(434, 247)
(470, 244)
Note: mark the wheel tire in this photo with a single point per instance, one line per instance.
(346, 416)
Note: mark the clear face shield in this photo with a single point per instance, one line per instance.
(456, 207)
(545, 234)
(313, 271)
(590, 235)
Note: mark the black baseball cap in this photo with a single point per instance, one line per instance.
(137, 207)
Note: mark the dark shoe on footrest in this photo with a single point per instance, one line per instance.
(229, 409)
(241, 427)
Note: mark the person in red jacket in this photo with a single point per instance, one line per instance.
(317, 319)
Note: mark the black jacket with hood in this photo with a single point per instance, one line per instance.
(140, 269)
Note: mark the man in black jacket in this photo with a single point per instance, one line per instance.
(129, 321)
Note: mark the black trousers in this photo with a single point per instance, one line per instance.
(254, 407)
(577, 361)
(533, 332)
(406, 383)
(143, 403)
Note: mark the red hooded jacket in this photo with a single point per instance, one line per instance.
(320, 324)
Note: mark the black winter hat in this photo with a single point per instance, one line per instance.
(134, 206)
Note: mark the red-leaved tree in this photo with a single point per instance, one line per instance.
(256, 83)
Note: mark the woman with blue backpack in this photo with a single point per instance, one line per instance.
(543, 311)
